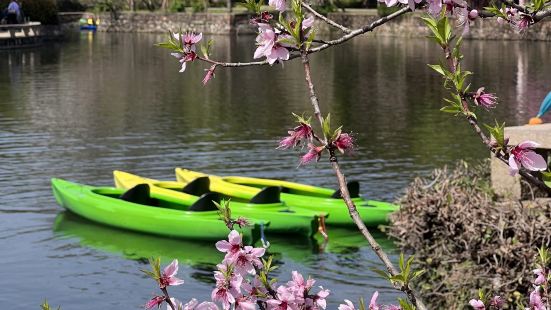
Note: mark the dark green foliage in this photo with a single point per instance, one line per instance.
(177, 6)
(70, 6)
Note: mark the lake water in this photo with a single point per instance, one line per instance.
(94, 103)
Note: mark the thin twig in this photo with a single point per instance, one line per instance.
(346, 195)
(355, 33)
(326, 19)
(472, 120)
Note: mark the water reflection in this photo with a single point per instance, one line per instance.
(82, 108)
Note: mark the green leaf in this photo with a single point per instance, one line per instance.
(310, 39)
(451, 109)
(206, 50)
(547, 178)
(433, 26)
(384, 274)
(439, 69)
(405, 305)
(326, 126)
(336, 133)
(498, 132)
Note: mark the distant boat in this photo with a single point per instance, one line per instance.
(88, 21)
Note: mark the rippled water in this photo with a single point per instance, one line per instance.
(81, 108)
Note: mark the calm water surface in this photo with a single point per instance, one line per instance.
(95, 103)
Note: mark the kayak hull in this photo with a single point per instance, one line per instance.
(99, 204)
(372, 213)
(283, 220)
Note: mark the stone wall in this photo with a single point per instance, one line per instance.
(411, 25)
(208, 23)
(224, 23)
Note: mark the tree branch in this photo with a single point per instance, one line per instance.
(326, 19)
(346, 195)
(355, 33)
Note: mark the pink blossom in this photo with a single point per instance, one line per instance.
(268, 45)
(536, 302)
(297, 284)
(314, 152)
(223, 295)
(477, 304)
(319, 299)
(349, 305)
(302, 132)
(242, 222)
(254, 288)
(232, 246)
(522, 154)
(155, 301)
(168, 277)
(245, 303)
(497, 302)
(344, 142)
(523, 22)
(184, 58)
(308, 22)
(285, 300)
(264, 18)
(435, 7)
(189, 40)
(465, 18)
(245, 260)
(485, 100)
(280, 5)
(541, 276)
(373, 302)
(209, 75)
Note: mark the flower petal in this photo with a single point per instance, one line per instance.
(171, 269)
(513, 166)
(528, 144)
(533, 161)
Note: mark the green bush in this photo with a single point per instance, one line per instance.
(178, 6)
(70, 6)
(44, 11)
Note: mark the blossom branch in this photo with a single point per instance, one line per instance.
(346, 195)
(325, 19)
(500, 152)
(343, 39)
(167, 299)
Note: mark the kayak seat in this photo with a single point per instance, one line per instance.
(197, 187)
(268, 194)
(205, 203)
(138, 194)
(353, 189)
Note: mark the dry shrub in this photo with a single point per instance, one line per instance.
(466, 238)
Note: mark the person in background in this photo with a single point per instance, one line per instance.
(13, 12)
(544, 107)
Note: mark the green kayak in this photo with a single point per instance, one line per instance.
(264, 205)
(314, 198)
(138, 210)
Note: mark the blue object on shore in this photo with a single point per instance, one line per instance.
(545, 105)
